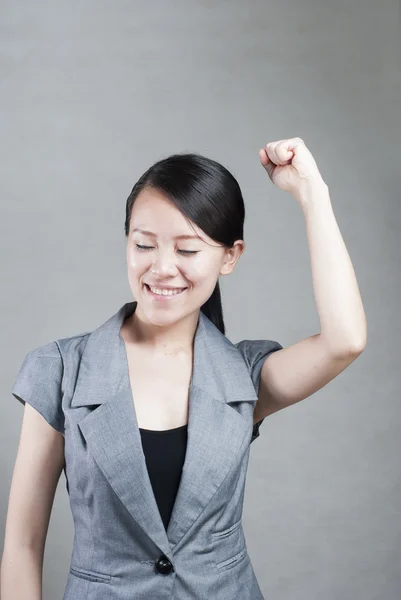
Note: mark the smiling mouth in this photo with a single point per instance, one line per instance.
(167, 295)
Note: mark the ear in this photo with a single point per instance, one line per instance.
(231, 255)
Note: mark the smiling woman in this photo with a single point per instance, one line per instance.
(150, 414)
(184, 229)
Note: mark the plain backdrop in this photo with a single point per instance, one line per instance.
(92, 93)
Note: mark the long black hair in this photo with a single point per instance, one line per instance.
(205, 192)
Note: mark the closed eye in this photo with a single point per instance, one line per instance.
(144, 248)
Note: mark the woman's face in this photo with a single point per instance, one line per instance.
(170, 261)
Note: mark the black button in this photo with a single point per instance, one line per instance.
(163, 565)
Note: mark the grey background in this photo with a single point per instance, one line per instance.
(92, 93)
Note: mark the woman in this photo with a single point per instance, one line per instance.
(152, 414)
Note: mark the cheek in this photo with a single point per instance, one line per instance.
(195, 270)
(205, 268)
(136, 261)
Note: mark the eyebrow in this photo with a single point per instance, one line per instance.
(177, 237)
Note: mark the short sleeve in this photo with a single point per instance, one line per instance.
(39, 383)
(254, 353)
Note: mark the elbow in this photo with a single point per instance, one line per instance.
(352, 349)
(349, 345)
(358, 344)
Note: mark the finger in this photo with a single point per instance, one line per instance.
(274, 153)
(284, 151)
(264, 159)
(266, 162)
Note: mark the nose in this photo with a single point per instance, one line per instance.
(164, 264)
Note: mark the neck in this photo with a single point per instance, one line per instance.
(165, 339)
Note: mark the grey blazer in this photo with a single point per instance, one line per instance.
(121, 550)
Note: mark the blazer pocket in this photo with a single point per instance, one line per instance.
(233, 560)
(229, 546)
(90, 575)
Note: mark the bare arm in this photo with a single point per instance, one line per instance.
(294, 373)
(38, 466)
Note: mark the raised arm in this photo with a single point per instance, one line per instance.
(297, 371)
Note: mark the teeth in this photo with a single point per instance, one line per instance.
(165, 292)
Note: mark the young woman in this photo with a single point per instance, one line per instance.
(152, 414)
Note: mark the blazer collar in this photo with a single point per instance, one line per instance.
(101, 366)
(216, 431)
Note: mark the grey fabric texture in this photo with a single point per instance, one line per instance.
(121, 549)
(39, 383)
(254, 353)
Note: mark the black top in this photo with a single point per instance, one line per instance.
(164, 452)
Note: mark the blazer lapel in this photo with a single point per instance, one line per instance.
(216, 431)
